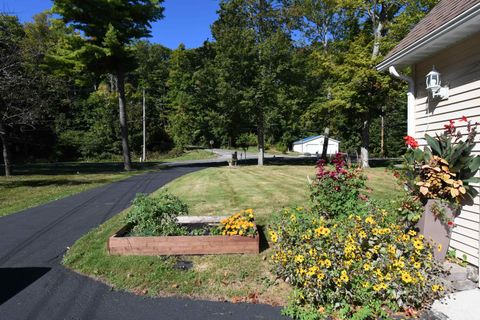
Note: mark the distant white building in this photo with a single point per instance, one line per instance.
(314, 144)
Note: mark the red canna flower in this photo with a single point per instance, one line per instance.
(450, 127)
(411, 142)
(464, 119)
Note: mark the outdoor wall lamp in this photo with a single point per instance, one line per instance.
(434, 85)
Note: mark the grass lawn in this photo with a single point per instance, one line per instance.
(216, 191)
(189, 155)
(36, 184)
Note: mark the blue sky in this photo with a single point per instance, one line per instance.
(186, 21)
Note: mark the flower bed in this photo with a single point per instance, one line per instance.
(122, 244)
(349, 258)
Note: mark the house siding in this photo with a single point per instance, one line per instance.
(460, 69)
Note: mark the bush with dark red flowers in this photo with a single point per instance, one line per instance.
(336, 190)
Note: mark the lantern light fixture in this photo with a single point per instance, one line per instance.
(434, 85)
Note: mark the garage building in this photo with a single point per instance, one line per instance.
(314, 144)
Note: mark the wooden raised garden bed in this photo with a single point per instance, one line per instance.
(122, 244)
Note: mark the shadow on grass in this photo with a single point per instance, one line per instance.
(12, 184)
(74, 168)
(263, 239)
(14, 280)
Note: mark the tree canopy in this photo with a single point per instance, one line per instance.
(279, 70)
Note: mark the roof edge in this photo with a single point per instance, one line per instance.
(447, 27)
(316, 137)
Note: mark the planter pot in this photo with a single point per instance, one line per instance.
(121, 244)
(434, 229)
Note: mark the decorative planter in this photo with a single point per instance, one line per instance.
(120, 244)
(434, 229)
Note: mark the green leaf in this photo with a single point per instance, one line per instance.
(474, 164)
(433, 144)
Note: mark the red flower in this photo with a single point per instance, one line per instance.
(411, 142)
(450, 128)
(451, 224)
(464, 119)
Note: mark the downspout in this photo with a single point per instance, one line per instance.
(410, 99)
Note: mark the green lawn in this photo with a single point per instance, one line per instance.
(188, 155)
(223, 277)
(36, 184)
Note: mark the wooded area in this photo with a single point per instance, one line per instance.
(71, 83)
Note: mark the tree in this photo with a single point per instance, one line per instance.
(109, 27)
(252, 49)
(24, 95)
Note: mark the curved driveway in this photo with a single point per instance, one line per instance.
(34, 285)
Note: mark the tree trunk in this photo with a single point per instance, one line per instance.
(122, 104)
(365, 143)
(5, 150)
(261, 144)
(325, 143)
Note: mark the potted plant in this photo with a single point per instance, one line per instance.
(440, 175)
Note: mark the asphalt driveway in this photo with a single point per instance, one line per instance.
(34, 285)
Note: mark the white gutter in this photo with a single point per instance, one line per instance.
(410, 99)
(459, 20)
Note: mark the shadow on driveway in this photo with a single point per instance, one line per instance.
(14, 280)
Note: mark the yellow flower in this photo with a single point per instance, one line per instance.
(344, 277)
(299, 258)
(392, 249)
(293, 218)
(405, 237)
(321, 275)
(383, 285)
(273, 236)
(437, 287)
(406, 277)
(366, 284)
(312, 270)
(312, 252)
(439, 247)
(413, 233)
(418, 244)
(370, 220)
(368, 255)
(376, 287)
(417, 265)
(326, 232)
(367, 267)
(327, 263)
(362, 234)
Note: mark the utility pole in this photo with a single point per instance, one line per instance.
(382, 136)
(144, 154)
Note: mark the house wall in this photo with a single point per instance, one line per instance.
(459, 66)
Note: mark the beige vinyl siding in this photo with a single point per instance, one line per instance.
(460, 69)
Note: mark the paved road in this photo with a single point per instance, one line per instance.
(34, 285)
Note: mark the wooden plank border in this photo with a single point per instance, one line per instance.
(118, 244)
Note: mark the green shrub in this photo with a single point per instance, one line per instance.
(281, 147)
(156, 215)
(336, 192)
(409, 210)
(354, 268)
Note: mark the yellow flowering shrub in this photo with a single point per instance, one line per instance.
(240, 223)
(357, 264)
